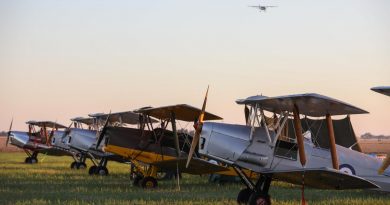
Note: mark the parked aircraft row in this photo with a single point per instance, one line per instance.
(291, 138)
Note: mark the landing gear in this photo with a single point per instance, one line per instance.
(137, 180)
(102, 171)
(92, 170)
(31, 160)
(243, 196)
(149, 183)
(254, 194)
(79, 163)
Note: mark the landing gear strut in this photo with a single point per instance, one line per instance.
(32, 158)
(254, 194)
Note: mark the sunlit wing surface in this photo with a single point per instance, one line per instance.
(48, 124)
(310, 104)
(127, 117)
(197, 166)
(182, 112)
(84, 120)
(324, 178)
(385, 90)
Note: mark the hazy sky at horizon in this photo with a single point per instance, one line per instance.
(62, 59)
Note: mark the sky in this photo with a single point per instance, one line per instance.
(63, 59)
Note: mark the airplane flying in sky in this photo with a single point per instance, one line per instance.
(262, 8)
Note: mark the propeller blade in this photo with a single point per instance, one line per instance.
(101, 135)
(195, 139)
(385, 164)
(9, 132)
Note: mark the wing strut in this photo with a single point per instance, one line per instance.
(332, 142)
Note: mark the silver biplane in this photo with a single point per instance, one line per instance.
(83, 140)
(37, 139)
(287, 146)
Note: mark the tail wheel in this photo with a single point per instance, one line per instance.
(243, 196)
(149, 183)
(102, 171)
(92, 170)
(137, 180)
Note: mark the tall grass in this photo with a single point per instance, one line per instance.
(52, 182)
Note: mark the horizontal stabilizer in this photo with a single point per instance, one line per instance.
(323, 178)
(197, 166)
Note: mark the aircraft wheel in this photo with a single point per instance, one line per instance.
(33, 160)
(81, 165)
(73, 165)
(243, 196)
(149, 183)
(92, 170)
(27, 160)
(259, 199)
(137, 180)
(102, 171)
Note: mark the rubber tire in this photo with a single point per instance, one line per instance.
(244, 195)
(33, 160)
(102, 171)
(81, 165)
(73, 165)
(255, 198)
(137, 180)
(27, 160)
(149, 183)
(92, 170)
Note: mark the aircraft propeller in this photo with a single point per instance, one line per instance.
(101, 135)
(198, 130)
(9, 132)
(385, 164)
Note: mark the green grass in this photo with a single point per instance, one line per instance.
(52, 182)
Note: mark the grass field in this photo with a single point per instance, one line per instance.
(52, 182)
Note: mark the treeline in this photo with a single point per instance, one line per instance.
(370, 136)
(3, 133)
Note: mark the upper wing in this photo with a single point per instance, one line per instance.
(310, 104)
(197, 166)
(127, 117)
(385, 90)
(182, 112)
(323, 178)
(49, 124)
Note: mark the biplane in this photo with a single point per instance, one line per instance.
(83, 139)
(262, 8)
(163, 147)
(37, 139)
(288, 147)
